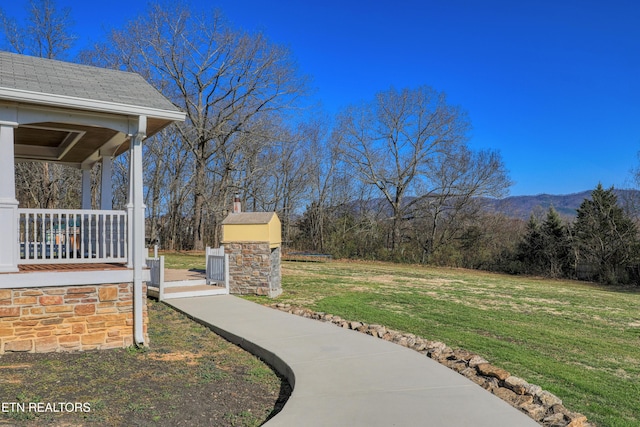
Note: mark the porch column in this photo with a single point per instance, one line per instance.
(106, 191)
(135, 209)
(8, 202)
(86, 188)
(135, 205)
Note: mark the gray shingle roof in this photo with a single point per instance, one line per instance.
(249, 218)
(48, 76)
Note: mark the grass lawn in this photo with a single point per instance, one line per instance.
(184, 260)
(577, 340)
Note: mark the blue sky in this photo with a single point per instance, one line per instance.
(553, 85)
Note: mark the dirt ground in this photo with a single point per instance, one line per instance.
(188, 376)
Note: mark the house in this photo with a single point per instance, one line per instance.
(74, 279)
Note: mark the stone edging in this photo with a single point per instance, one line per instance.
(542, 406)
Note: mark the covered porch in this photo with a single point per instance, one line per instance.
(79, 116)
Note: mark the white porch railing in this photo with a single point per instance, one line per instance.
(156, 274)
(49, 236)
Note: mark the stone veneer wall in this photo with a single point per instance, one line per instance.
(254, 268)
(55, 319)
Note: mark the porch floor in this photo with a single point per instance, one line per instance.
(29, 268)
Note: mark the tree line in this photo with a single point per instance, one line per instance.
(601, 244)
(391, 178)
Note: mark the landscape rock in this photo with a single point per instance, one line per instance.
(490, 384)
(411, 341)
(434, 345)
(506, 395)
(548, 399)
(559, 409)
(576, 420)
(517, 385)
(472, 375)
(492, 371)
(534, 411)
(399, 339)
(533, 389)
(555, 420)
(419, 345)
(461, 354)
(476, 360)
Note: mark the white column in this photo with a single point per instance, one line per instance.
(86, 188)
(136, 195)
(106, 191)
(8, 202)
(135, 208)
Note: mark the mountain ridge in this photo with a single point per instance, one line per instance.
(565, 204)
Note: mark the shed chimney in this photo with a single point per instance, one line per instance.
(237, 206)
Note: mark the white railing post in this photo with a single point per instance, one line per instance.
(161, 279)
(226, 272)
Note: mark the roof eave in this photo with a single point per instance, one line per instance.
(18, 95)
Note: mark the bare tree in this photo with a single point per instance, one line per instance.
(389, 142)
(411, 146)
(226, 81)
(451, 195)
(45, 33)
(328, 182)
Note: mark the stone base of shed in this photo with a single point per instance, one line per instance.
(68, 318)
(254, 269)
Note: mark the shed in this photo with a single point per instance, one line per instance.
(252, 227)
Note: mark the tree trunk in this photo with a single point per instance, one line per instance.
(198, 206)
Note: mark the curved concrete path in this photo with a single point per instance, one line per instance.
(345, 378)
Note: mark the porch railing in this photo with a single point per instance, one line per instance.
(49, 236)
(217, 264)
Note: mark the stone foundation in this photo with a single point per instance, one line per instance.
(254, 268)
(68, 318)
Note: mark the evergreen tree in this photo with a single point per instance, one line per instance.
(530, 250)
(556, 246)
(545, 248)
(606, 237)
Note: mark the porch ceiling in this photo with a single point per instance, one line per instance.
(70, 143)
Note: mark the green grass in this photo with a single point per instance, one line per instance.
(578, 340)
(184, 260)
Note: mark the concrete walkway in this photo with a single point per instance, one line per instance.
(344, 378)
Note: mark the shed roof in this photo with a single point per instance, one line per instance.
(249, 218)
